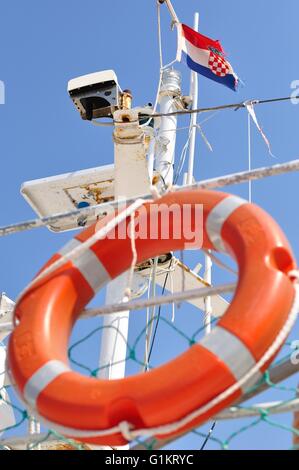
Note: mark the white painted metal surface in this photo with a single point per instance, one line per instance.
(103, 208)
(131, 169)
(6, 310)
(7, 417)
(131, 180)
(112, 361)
(69, 191)
(92, 79)
(191, 281)
(6, 313)
(193, 117)
(170, 88)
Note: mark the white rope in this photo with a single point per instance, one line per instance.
(204, 137)
(281, 337)
(183, 155)
(208, 118)
(220, 263)
(80, 249)
(128, 291)
(127, 429)
(159, 300)
(230, 413)
(170, 269)
(103, 208)
(175, 426)
(277, 407)
(249, 105)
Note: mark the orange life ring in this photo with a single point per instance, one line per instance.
(186, 391)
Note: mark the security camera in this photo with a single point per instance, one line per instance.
(95, 95)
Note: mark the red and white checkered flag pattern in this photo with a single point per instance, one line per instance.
(218, 65)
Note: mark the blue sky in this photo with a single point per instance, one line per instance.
(44, 44)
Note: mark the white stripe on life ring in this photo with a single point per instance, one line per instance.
(89, 265)
(41, 378)
(230, 350)
(217, 217)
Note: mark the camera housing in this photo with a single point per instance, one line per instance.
(95, 95)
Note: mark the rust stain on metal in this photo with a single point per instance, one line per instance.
(96, 192)
(155, 179)
(189, 271)
(126, 100)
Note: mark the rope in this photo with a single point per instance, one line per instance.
(80, 249)
(173, 427)
(235, 106)
(107, 207)
(160, 300)
(128, 290)
(220, 263)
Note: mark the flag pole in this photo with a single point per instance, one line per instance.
(194, 96)
(171, 10)
(193, 132)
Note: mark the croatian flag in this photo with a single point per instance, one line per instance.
(205, 56)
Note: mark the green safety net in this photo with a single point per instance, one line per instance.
(222, 437)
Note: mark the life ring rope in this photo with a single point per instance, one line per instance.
(126, 429)
(240, 359)
(87, 263)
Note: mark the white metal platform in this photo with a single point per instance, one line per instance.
(69, 191)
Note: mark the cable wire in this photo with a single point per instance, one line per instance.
(235, 106)
(159, 314)
(208, 436)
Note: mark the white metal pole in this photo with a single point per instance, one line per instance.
(115, 333)
(194, 96)
(33, 429)
(208, 261)
(170, 88)
(208, 300)
(131, 178)
(171, 11)
(249, 157)
(151, 152)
